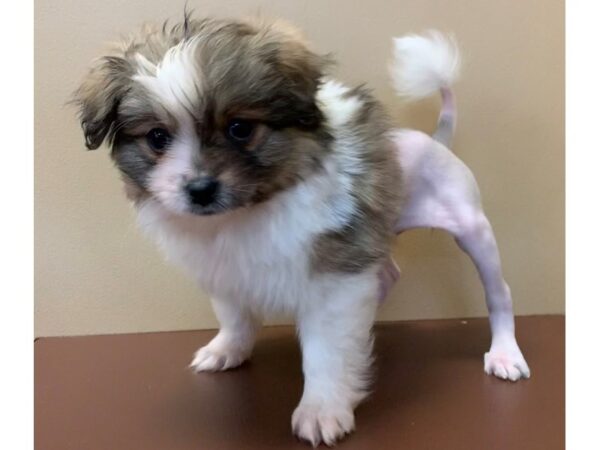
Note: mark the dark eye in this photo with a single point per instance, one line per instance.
(158, 139)
(240, 130)
(308, 121)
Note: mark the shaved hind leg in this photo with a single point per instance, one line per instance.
(443, 194)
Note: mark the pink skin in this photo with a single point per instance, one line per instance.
(388, 275)
(442, 193)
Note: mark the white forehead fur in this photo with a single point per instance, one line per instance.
(175, 80)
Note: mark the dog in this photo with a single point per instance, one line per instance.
(280, 190)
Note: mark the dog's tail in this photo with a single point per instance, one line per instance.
(424, 64)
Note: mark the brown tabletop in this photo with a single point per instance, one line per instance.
(134, 392)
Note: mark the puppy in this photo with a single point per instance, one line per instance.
(280, 191)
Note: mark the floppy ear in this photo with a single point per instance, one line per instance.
(285, 48)
(303, 66)
(98, 98)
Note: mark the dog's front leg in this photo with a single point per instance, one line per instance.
(335, 335)
(233, 343)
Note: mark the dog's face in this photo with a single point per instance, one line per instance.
(207, 116)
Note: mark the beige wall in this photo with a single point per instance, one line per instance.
(94, 273)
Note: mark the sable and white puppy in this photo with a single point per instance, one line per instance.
(280, 191)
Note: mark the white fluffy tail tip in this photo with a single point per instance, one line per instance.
(424, 64)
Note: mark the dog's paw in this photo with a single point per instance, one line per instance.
(214, 358)
(506, 362)
(316, 423)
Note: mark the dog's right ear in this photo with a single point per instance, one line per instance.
(99, 96)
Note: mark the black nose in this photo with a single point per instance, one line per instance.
(202, 190)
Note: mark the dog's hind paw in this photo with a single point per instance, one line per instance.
(506, 362)
(316, 423)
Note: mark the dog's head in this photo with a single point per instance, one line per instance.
(207, 116)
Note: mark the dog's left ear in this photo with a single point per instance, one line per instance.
(99, 96)
(298, 63)
(298, 58)
(305, 70)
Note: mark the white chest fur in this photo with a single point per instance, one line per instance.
(260, 255)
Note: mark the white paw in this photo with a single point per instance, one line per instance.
(506, 362)
(318, 423)
(213, 358)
